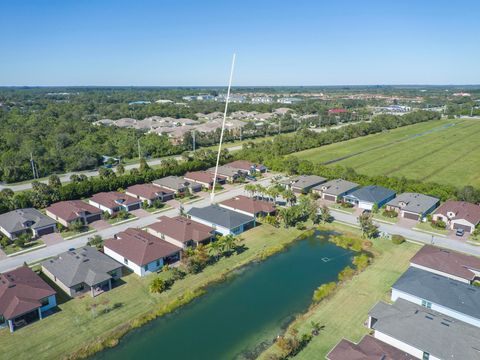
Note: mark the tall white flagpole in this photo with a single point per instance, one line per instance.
(212, 195)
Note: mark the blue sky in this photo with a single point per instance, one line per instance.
(165, 43)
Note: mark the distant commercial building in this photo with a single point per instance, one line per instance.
(289, 100)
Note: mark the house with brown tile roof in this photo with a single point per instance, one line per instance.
(230, 174)
(149, 193)
(368, 348)
(203, 178)
(141, 251)
(67, 212)
(248, 206)
(448, 263)
(246, 167)
(24, 298)
(458, 215)
(181, 231)
(114, 201)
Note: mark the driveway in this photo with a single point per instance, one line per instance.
(100, 225)
(140, 213)
(52, 239)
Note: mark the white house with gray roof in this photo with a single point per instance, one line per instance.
(413, 206)
(83, 270)
(369, 196)
(424, 333)
(447, 296)
(177, 184)
(28, 220)
(224, 221)
(303, 184)
(335, 190)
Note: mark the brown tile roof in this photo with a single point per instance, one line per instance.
(447, 261)
(201, 176)
(243, 165)
(148, 191)
(140, 247)
(461, 209)
(368, 348)
(21, 291)
(70, 210)
(249, 205)
(182, 229)
(113, 199)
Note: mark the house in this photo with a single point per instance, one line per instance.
(70, 211)
(181, 232)
(114, 201)
(24, 298)
(83, 270)
(28, 220)
(224, 221)
(177, 184)
(141, 251)
(413, 205)
(458, 215)
(447, 263)
(230, 174)
(203, 178)
(369, 196)
(450, 297)
(302, 184)
(246, 167)
(335, 190)
(149, 193)
(424, 333)
(249, 206)
(368, 348)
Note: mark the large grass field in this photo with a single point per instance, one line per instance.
(344, 313)
(79, 323)
(443, 151)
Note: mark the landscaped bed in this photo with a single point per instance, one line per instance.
(12, 248)
(427, 226)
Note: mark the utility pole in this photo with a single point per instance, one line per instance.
(471, 112)
(193, 140)
(240, 134)
(139, 152)
(33, 166)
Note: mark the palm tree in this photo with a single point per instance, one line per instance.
(289, 196)
(215, 248)
(250, 189)
(274, 192)
(229, 242)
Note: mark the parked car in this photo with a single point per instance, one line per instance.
(460, 232)
(251, 178)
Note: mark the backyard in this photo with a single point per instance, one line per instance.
(343, 315)
(442, 151)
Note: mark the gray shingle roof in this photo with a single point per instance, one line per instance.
(373, 194)
(22, 219)
(307, 181)
(336, 187)
(461, 297)
(171, 182)
(427, 330)
(83, 265)
(414, 202)
(220, 216)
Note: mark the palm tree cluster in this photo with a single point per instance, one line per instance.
(271, 193)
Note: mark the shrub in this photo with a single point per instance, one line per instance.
(361, 261)
(346, 274)
(324, 291)
(390, 214)
(4, 241)
(157, 286)
(439, 224)
(398, 239)
(300, 226)
(345, 204)
(346, 242)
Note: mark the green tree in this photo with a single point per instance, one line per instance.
(369, 229)
(143, 165)
(54, 181)
(120, 169)
(157, 286)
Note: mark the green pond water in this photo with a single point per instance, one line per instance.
(240, 316)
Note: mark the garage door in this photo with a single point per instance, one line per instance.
(329, 197)
(45, 231)
(365, 205)
(407, 215)
(464, 227)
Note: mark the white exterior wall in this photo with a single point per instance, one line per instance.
(149, 202)
(440, 273)
(101, 207)
(6, 233)
(220, 229)
(409, 349)
(137, 269)
(439, 308)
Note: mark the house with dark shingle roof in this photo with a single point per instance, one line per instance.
(141, 251)
(335, 190)
(424, 333)
(368, 348)
(28, 220)
(24, 298)
(447, 296)
(177, 184)
(181, 231)
(228, 173)
(248, 206)
(369, 196)
(413, 206)
(448, 263)
(224, 221)
(149, 193)
(83, 270)
(303, 184)
(114, 201)
(67, 212)
(458, 215)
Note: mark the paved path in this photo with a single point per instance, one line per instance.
(66, 177)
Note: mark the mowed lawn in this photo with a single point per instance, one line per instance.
(78, 322)
(432, 151)
(344, 313)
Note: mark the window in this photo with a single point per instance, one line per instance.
(145, 267)
(158, 262)
(44, 302)
(125, 261)
(426, 304)
(426, 356)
